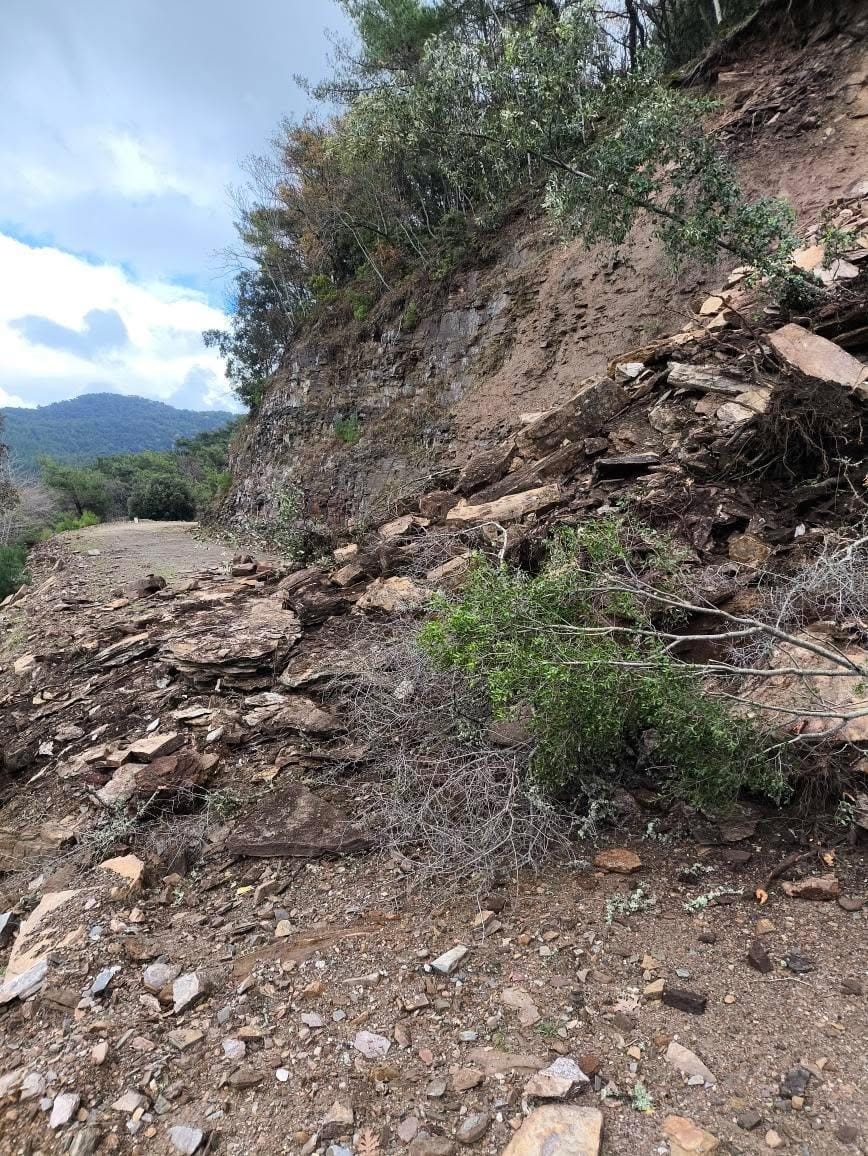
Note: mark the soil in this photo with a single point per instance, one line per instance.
(784, 120)
(350, 941)
(127, 550)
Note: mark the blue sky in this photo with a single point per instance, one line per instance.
(123, 127)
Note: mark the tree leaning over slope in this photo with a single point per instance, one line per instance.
(451, 112)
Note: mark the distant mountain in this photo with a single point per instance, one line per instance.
(98, 424)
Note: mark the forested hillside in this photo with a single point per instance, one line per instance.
(101, 424)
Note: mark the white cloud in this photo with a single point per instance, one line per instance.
(11, 399)
(163, 357)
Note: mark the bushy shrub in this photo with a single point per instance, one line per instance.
(12, 562)
(348, 429)
(164, 499)
(582, 663)
(88, 518)
(298, 537)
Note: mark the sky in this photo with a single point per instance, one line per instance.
(123, 127)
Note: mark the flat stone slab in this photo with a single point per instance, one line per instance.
(297, 823)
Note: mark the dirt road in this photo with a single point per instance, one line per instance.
(128, 550)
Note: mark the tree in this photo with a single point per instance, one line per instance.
(81, 487)
(164, 499)
(452, 111)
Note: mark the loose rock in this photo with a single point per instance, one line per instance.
(558, 1130)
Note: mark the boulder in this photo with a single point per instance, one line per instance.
(619, 860)
(584, 415)
(393, 596)
(289, 713)
(841, 696)
(408, 526)
(145, 587)
(436, 505)
(819, 359)
(485, 468)
(240, 647)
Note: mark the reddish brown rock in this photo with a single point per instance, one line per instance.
(619, 860)
(823, 888)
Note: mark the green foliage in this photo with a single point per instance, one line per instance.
(76, 431)
(298, 537)
(684, 28)
(80, 487)
(165, 499)
(410, 318)
(186, 479)
(658, 159)
(348, 429)
(582, 661)
(62, 525)
(262, 323)
(637, 902)
(13, 560)
(453, 110)
(836, 240)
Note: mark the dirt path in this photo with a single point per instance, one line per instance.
(118, 552)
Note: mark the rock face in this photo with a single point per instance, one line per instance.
(558, 1131)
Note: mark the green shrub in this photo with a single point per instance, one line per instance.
(348, 429)
(298, 537)
(410, 318)
(164, 499)
(12, 562)
(606, 698)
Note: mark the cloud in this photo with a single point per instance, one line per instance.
(70, 326)
(11, 399)
(123, 125)
(103, 331)
(200, 389)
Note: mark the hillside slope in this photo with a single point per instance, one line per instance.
(99, 424)
(521, 330)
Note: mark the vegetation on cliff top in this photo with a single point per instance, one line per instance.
(451, 111)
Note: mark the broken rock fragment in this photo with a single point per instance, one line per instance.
(450, 960)
(618, 860)
(393, 596)
(239, 647)
(688, 1063)
(819, 359)
(188, 990)
(338, 1121)
(295, 822)
(687, 1139)
(557, 1081)
(820, 887)
(63, 1109)
(503, 510)
(584, 415)
(185, 1139)
(558, 1130)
